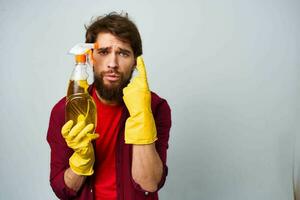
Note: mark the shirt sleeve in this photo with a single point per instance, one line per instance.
(60, 154)
(163, 125)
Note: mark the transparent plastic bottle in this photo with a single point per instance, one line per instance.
(78, 99)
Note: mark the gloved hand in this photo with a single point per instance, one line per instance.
(79, 139)
(140, 126)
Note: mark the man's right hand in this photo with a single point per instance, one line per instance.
(79, 139)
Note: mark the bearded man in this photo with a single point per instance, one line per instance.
(126, 158)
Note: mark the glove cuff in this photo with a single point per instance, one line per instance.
(140, 129)
(82, 166)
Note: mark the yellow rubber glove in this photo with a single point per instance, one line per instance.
(140, 126)
(79, 139)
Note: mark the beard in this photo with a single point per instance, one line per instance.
(113, 92)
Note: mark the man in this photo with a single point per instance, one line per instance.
(126, 159)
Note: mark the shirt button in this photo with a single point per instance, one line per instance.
(91, 190)
(146, 193)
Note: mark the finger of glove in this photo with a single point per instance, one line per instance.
(66, 128)
(92, 136)
(80, 118)
(83, 133)
(76, 129)
(141, 67)
(138, 82)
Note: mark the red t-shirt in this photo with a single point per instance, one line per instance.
(108, 118)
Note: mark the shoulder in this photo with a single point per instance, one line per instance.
(158, 103)
(60, 105)
(162, 116)
(58, 110)
(57, 119)
(156, 99)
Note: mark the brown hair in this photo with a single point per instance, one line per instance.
(120, 26)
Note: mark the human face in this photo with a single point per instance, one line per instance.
(113, 64)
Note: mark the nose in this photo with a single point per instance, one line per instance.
(113, 61)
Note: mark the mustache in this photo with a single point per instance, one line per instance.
(111, 71)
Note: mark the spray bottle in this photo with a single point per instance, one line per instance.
(78, 99)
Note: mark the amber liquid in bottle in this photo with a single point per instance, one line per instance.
(80, 102)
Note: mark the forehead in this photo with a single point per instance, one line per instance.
(109, 40)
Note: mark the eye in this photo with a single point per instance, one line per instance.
(102, 52)
(123, 54)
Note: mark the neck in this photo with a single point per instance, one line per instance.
(107, 102)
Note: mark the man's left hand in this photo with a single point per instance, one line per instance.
(140, 126)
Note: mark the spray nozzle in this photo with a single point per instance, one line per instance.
(81, 50)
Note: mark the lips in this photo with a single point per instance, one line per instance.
(112, 77)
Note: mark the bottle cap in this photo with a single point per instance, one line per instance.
(80, 58)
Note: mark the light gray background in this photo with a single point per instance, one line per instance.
(229, 69)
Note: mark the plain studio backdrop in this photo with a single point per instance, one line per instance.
(230, 71)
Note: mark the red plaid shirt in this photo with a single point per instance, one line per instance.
(127, 189)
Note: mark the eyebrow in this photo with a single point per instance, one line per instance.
(125, 50)
(103, 48)
(121, 49)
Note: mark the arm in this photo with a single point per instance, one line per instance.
(147, 166)
(147, 131)
(60, 153)
(72, 180)
(64, 182)
(145, 161)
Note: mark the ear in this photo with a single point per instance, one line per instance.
(134, 65)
